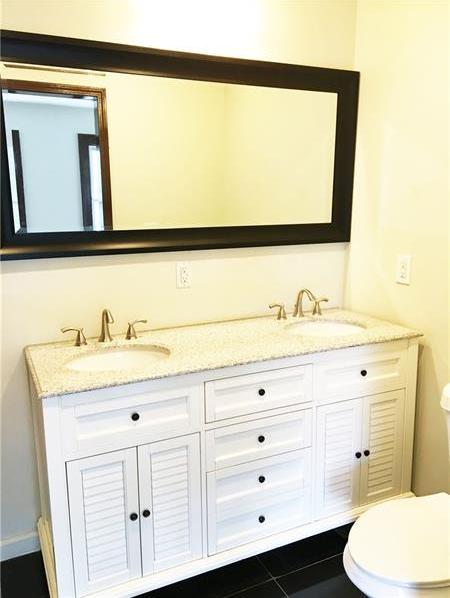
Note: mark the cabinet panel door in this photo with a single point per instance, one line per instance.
(169, 486)
(338, 469)
(381, 470)
(103, 492)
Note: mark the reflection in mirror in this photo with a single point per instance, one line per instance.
(53, 145)
(183, 153)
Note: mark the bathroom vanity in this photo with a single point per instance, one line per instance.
(235, 438)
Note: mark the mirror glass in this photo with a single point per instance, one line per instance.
(171, 153)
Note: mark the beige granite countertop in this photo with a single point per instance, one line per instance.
(199, 347)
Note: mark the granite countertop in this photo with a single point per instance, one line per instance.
(199, 347)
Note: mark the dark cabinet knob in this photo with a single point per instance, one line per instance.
(366, 453)
(133, 516)
(261, 392)
(261, 479)
(363, 373)
(261, 438)
(261, 518)
(358, 455)
(135, 417)
(146, 513)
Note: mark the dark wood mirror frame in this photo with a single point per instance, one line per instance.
(30, 48)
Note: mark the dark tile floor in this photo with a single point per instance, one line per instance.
(311, 568)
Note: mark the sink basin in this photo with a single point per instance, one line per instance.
(120, 358)
(323, 328)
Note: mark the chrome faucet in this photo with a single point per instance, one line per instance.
(107, 319)
(298, 308)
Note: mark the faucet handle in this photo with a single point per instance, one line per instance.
(131, 332)
(317, 311)
(281, 315)
(80, 339)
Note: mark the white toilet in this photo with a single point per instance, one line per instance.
(401, 548)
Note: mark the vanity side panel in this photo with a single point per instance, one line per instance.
(41, 459)
(410, 413)
(44, 524)
(58, 499)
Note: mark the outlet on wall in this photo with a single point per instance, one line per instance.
(403, 275)
(183, 275)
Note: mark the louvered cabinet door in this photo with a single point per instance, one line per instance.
(103, 493)
(338, 467)
(382, 446)
(170, 495)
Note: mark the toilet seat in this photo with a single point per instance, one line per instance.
(402, 545)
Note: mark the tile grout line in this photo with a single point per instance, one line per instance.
(271, 576)
(264, 566)
(307, 566)
(281, 587)
(256, 585)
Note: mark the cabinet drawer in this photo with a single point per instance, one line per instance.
(127, 421)
(360, 372)
(250, 393)
(244, 442)
(253, 500)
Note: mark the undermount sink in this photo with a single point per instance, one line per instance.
(324, 328)
(120, 358)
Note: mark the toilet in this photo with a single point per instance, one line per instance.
(401, 548)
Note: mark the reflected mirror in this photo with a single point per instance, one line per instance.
(184, 154)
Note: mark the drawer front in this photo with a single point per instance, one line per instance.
(252, 393)
(360, 373)
(254, 500)
(248, 441)
(128, 421)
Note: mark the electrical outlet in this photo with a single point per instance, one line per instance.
(183, 275)
(403, 275)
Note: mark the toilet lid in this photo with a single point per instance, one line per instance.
(405, 541)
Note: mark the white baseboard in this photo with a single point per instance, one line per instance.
(18, 545)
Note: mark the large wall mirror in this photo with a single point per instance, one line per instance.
(112, 149)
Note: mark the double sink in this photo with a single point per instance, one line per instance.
(137, 356)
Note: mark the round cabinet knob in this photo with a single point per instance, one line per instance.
(146, 513)
(135, 417)
(261, 392)
(366, 453)
(358, 455)
(363, 373)
(133, 516)
(261, 438)
(261, 518)
(261, 479)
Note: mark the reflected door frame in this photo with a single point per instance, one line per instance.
(102, 141)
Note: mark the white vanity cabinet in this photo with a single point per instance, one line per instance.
(148, 483)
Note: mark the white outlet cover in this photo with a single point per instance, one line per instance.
(403, 274)
(183, 275)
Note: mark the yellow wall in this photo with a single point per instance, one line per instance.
(401, 198)
(41, 296)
